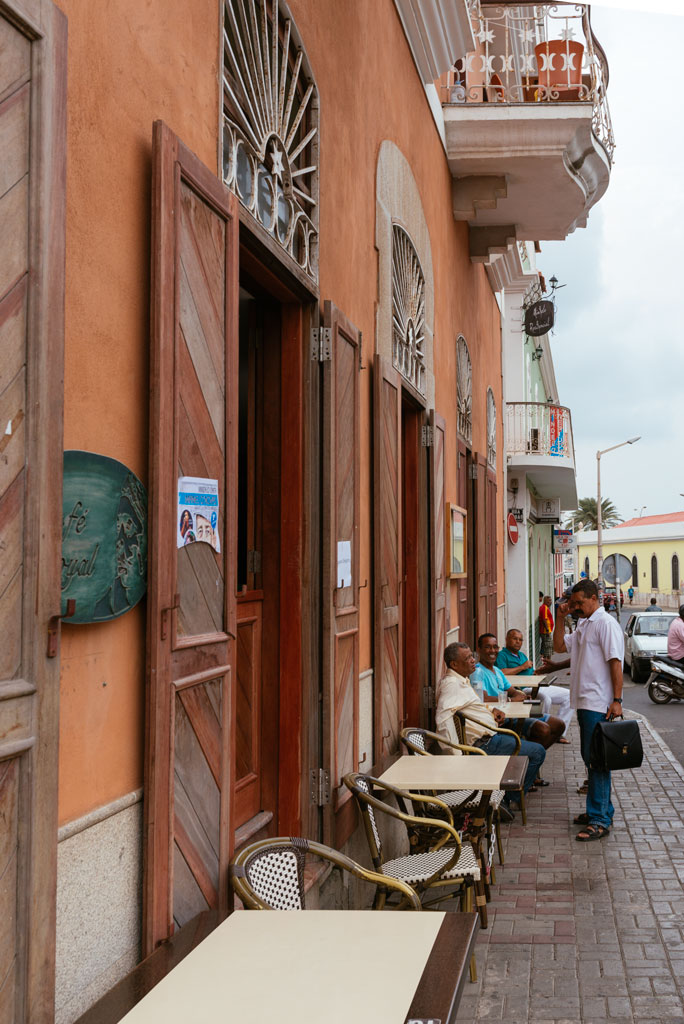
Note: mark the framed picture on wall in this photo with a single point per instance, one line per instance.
(456, 541)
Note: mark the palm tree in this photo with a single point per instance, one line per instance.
(585, 517)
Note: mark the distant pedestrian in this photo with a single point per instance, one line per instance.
(546, 627)
(630, 594)
(675, 637)
(653, 606)
(596, 652)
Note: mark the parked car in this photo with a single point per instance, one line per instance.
(645, 635)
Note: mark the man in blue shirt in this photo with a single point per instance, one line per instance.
(546, 730)
(513, 662)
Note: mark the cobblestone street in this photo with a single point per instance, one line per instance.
(589, 932)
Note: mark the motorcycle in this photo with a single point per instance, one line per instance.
(666, 680)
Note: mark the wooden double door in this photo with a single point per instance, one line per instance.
(214, 714)
(33, 35)
(411, 609)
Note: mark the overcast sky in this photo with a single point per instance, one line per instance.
(617, 346)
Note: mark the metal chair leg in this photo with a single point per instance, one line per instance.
(499, 843)
(523, 810)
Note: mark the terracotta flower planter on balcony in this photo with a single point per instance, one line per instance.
(560, 69)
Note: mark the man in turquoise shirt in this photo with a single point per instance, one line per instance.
(546, 730)
(513, 662)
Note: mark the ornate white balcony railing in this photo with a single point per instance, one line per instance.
(539, 429)
(537, 53)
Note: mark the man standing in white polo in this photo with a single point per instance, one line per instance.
(596, 652)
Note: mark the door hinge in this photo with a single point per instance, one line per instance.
(321, 344)
(320, 786)
(254, 561)
(472, 472)
(428, 697)
(427, 436)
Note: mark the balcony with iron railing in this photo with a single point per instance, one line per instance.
(528, 131)
(539, 443)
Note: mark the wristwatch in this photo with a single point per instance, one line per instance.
(617, 700)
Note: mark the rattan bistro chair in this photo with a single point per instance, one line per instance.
(461, 802)
(269, 875)
(446, 870)
(460, 718)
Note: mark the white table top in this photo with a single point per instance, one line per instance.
(300, 966)
(516, 709)
(446, 772)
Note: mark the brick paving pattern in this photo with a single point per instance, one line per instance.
(589, 932)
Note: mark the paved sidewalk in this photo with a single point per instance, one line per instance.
(589, 932)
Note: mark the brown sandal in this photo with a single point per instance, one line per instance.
(592, 832)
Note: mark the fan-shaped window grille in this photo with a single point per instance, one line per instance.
(586, 567)
(464, 372)
(654, 572)
(408, 310)
(491, 429)
(675, 572)
(270, 133)
(635, 572)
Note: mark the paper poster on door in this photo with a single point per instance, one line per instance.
(344, 566)
(198, 509)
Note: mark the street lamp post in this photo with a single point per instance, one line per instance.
(599, 525)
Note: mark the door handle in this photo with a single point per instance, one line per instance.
(165, 615)
(53, 628)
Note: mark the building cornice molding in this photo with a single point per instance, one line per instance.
(438, 32)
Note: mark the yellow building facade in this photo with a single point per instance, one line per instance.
(654, 547)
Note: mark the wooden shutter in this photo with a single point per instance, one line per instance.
(341, 504)
(480, 516)
(439, 605)
(191, 591)
(32, 216)
(466, 614)
(389, 687)
(491, 571)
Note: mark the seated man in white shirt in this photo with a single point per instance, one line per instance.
(456, 694)
(513, 662)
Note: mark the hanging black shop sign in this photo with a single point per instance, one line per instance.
(539, 318)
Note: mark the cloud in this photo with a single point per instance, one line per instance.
(619, 342)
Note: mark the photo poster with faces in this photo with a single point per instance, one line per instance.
(198, 509)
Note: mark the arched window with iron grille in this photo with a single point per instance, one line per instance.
(654, 572)
(586, 567)
(635, 572)
(675, 572)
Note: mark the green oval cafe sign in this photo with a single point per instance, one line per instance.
(104, 537)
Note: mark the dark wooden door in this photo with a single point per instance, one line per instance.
(387, 556)
(258, 563)
(32, 214)
(191, 593)
(439, 608)
(341, 584)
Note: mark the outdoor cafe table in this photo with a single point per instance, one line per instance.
(336, 966)
(446, 772)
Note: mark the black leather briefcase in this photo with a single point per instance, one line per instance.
(616, 744)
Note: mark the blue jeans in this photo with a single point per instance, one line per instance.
(600, 809)
(534, 751)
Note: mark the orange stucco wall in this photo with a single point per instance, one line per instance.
(369, 91)
(130, 64)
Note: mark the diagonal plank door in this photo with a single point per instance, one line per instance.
(32, 228)
(191, 595)
(341, 513)
(387, 560)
